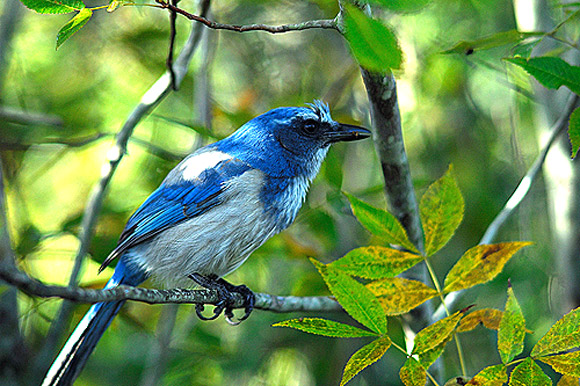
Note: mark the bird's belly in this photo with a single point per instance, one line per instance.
(216, 242)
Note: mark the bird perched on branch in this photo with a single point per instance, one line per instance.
(210, 213)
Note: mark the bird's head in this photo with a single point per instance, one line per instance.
(289, 138)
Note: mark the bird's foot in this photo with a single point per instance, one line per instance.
(227, 298)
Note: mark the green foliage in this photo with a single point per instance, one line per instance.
(441, 210)
(528, 373)
(380, 223)
(564, 335)
(491, 376)
(401, 5)
(412, 373)
(551, 72)
(54, 6)
(567, 364)
(432, 336)
(496, 40)
(512, 329)
(325, 327)
(364, 357)
(373, 44)
(75, 24)
(376, 262)
(574, 131)
(357, 300)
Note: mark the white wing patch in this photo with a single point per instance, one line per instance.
(193, 166)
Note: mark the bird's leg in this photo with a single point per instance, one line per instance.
(226, 292)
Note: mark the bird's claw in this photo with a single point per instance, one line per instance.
(226, 292)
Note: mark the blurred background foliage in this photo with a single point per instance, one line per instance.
(475, 112)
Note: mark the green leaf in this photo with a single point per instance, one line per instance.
(75, 24)
(574, 131)
(380, 223)
(496, 40)
(398, 295)
(376, 262)
(364, 357)
(490, 376)
(431, 336)
(412, 373)
(550, 71)
(54, 6)
(568, 363)
(528, 373)
(325, 327)
(357, 300)
(564, 335)
(489, 317)
(480, 264)
(441, 211)
(512, 330)
(428, 357)
(402, 6)
(373, 44)
(568, 380)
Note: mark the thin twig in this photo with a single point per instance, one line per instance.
(264, 302)
(173, 32)
(518, 195)
(311, 24)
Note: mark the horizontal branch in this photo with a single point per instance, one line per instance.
(311, 24)
(264, 302)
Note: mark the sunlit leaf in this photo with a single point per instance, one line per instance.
(403, 6)
(528, 373)
(75, 24)
(568, 380)
(376, 262)
(489, 317)
(512, 330)
(551, 72)
(568, 363)
(412, 373)
(490, 376)
(427, 358)
(113, 6)
(485, 43)
(380, 223)
(357, 300)
(564, 335)
(433, 335)
(54, 6)
(364, 357)
(441, 211)
(574, 131)
(398, 295)
(325, 327)
(373, 44)
(480, 264)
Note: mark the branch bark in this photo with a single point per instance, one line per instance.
(265, 302)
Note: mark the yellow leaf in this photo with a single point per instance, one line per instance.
(376, 262)
(564, 335)
(364, 357)
(490, 376)
(412, 373)
(480, 264)
(398, 296)
(568, 363)
(431, 336)
(489, 317)
(568, 380)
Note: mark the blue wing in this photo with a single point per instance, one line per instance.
(173, 203)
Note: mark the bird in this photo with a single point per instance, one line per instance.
(212, 210)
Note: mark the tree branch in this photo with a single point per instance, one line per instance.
(264, 302)
(311, 24)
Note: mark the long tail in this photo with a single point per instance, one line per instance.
(79, 346)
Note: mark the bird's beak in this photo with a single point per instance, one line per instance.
(345, 132)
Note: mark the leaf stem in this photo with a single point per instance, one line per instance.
(456, 338)
(432, 378)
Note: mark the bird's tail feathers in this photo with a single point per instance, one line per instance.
(86, 335)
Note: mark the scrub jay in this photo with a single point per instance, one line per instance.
(210, 213)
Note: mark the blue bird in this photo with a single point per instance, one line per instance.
(210, 213)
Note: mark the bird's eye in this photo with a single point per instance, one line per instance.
(310, 126)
